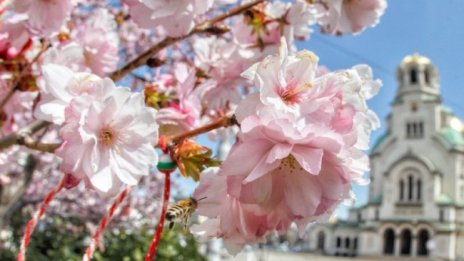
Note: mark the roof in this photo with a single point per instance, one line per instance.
(444, 200)
(380, 140)
(453, 137)
(415, 59)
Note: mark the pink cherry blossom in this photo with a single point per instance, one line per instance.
(174, 17)
(346, 16)
(111, 142)
(184, 115)
(45, 16)
(99, 42)
(14, 36)
(94, 46)
(300, 147)
(108, 132)
(223, 61)
(60, 86)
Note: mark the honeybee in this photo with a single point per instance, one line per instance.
(182, 211)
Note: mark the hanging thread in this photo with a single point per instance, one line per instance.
(32, 223)
(166, 165)
(103, 223)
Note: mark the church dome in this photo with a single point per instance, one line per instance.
(416, 59)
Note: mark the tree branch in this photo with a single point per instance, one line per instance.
(29, 130)
(201, 28)
(225, 122)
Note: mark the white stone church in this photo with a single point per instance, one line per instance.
(416, 195)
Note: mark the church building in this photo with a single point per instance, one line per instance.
(416, 196)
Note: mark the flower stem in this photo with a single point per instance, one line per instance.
(224, 121)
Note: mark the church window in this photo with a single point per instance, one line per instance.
(415, 129)
(413, 76)
(410, 187)
(320, 240)
(339, 242)
(420, 129)
(347, 242)
(401, 190)
(419, 188)
(427, 76)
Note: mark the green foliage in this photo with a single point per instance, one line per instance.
(174, 246)
(65, 240)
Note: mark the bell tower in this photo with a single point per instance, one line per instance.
(417, 80)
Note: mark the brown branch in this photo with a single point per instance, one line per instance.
(29, 130)
(26, 140)
(225, 122)
(201, 28)
(8, 96)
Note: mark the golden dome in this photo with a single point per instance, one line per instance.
(415, 59)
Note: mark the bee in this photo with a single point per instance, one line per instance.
(182, 211)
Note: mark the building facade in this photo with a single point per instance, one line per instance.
(416, 195)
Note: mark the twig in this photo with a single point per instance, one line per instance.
(225, 121)
(201, 28)
(29, 130)
(26, 140)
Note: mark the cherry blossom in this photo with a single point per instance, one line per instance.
(14, 36)
(93, 48)
(346, 16)
(108, 132)
(300, 130)
(44, 16)
(174, 17)
(184, 115)
(300, 147)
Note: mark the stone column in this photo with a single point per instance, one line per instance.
(397, 244)
(414, 245)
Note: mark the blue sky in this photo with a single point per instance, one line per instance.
(433, 28)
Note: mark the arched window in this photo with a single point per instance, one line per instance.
(410, 187)
(441, 218)
(389, 242)
(339, 242)
(419, 188)
(406, 238)
(401, 190)
(347, 243)
(427, 76)
(423, 238)
(413, 76)
(320, 240)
